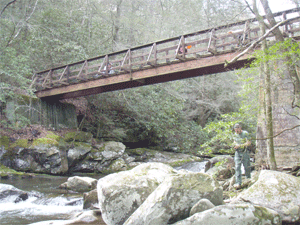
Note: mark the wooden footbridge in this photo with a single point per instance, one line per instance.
(195, 54)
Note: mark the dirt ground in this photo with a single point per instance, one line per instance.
(30, 132)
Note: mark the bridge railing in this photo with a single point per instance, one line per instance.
(205, 43)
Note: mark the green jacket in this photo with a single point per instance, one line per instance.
(241, 138)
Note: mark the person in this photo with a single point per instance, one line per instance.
(109, 70)
(180, 50)
(241, 156)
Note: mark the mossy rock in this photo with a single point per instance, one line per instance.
(45, 141)
(4, 141)
(22, 143)
(137, 151)
(5, 171)
(53, 136)
(78, 136)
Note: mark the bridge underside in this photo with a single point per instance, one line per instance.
(169, 72)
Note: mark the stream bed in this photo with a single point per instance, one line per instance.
(45, 202)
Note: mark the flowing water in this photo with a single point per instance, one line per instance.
(46, 201)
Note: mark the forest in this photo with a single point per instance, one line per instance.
(194, 115)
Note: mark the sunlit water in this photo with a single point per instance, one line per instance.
(46, 201)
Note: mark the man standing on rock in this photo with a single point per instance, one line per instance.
(241, 142)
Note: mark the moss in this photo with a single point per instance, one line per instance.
(4, 141)
(5, 171)
(78, 136)
(180, 162)
(82, 145)
(48, 141)
(22, 143)
(262, 213)
(53, 136)
(137, 151)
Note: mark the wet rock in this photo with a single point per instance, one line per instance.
(21, 197)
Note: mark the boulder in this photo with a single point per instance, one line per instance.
(202, 205)
(220, 167)
(78, 153)
(87, 217)
(90, 199)
(78, 136)
(120, 194)
(112, 150)
(118, 165)
(43, 158)
(233, 215)
(275, 190)
(79, 184)
(221, 159)
(173, 199)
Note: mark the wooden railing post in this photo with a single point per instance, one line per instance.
(153, 51)
(212, 43)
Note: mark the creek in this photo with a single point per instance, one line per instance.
(46, 201)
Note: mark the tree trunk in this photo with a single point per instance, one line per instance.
(265, 70)
(291, 68)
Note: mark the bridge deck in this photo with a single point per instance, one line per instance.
(206, 52)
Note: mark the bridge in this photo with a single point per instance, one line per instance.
(195, 54)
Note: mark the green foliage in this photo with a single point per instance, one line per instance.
(221, 131)
(277, 52)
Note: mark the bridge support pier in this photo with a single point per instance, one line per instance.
(52, 114)
(58, 115)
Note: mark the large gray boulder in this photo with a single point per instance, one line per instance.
(234, 215)
(175, 197)
(42, 158)
(120, 194)
(275, 190)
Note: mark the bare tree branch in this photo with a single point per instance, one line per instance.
(284, 130)
(26, 20)
(258, 40)
(290, 114)
(7, 6)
